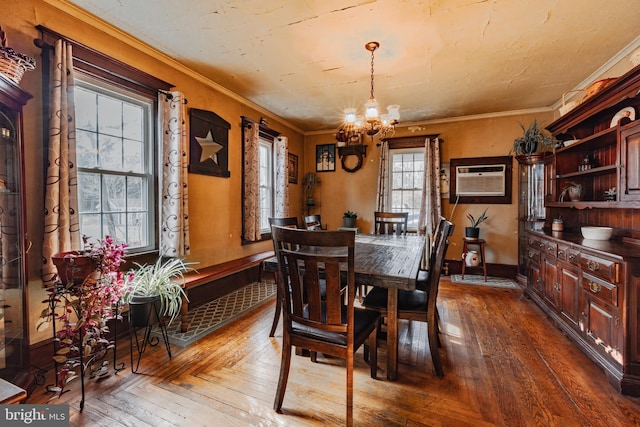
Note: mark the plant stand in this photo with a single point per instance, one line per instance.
(146, 326)
(66, 294)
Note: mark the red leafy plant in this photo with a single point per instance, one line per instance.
(82, 308)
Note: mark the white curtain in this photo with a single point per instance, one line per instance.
(174, 219)
(251, 201)
(281, 166)
(383, 177)
(431, 208)
(61, 224)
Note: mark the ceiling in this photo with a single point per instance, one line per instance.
(305, 61)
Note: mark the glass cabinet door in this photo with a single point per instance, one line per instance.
(531, 211)
(14, 359)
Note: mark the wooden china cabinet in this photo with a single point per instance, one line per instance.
(14, 360)
(591, 288)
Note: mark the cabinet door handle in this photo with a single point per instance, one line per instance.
(560, 253)
(592, 265)
(550, 248)
(595, 288)
(572, 257)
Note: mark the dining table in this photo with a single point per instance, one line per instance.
(386, 261)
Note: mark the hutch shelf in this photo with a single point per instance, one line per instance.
(591, 289)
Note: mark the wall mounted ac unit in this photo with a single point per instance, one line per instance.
(484, 180)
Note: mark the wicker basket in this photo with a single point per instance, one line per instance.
(13, 64)
(569, 105)
(597, 86)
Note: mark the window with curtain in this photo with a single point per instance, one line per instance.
(266, 184)
(116, 144)
(264, 179)
(115, 152)
(406, 176)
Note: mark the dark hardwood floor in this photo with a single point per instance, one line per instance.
(505, 365)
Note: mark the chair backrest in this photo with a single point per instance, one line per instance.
(289, 221)
(305, 258)
(313, 222)
(436, 263)
(437, 233)
(390, 222)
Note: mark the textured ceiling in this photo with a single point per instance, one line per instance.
(304, 60)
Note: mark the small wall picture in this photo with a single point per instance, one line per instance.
(326, 158)
(292, 169)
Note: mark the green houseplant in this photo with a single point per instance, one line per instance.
(534, 141)
(349, 219)
(160, 284)
(473, 232)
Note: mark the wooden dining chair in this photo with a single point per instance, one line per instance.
(313, 222)
(291, 222)
(390, 222)
(420, 304)
(310, 322)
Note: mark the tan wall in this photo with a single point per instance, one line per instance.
(215, 203)
(341, 191)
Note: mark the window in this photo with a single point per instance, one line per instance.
(114, 139)
(406, 174)
(266, 184)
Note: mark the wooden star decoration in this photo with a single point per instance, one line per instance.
(209, 147)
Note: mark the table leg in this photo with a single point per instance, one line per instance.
(392, 334)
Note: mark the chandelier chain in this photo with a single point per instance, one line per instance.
(372, 50)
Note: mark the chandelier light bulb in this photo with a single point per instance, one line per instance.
(371, 109)
(350, 115)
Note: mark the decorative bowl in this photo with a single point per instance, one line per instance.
(597, 233)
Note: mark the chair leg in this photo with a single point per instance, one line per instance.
(284, 376)
(438, 328)
(350, 389)
(372, 353)
(276, 316)
(432, 332)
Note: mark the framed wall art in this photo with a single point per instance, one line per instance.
(208, 144)
(326, 158)
(292, 169)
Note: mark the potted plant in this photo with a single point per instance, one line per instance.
(610, 194)
(155, 288)
(83, 298)
(573, 190)
(349, 219)
(533, 142)
(310, 182)
(473, 232)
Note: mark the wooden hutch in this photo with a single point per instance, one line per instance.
(591, 288)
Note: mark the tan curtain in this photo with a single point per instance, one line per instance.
(431, 208)
(251, 182)
(383, 177)
(61, 225)
(281, 184)
(174, 220)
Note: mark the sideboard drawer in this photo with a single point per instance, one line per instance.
(600, 289)
(533, 255)
(550, 248)
(573, 256)
(601, 267)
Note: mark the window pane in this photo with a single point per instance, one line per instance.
(136, 194)
(137, 229)
(114, 225)
(132, 122)
(90, 225)
(113, 193)
(406, 178)
(86, 109)
(109, 116)
(86, 149)
(88, 193)
(110, 152)
(133, 156)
